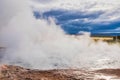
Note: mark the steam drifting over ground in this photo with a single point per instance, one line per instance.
(42, 44)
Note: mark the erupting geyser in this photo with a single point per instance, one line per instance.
(40, 43)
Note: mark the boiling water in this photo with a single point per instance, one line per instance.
(34, 43)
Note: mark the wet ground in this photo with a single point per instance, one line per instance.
(10, 72)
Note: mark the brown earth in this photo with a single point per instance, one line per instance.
(10, 72)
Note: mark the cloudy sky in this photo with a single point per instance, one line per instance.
(81, 15)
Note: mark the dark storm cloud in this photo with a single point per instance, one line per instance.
(78, 15)
(74, 21)
(71, 21)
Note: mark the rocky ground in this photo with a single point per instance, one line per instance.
(10, 72)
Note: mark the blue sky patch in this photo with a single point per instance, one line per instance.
(72, 22)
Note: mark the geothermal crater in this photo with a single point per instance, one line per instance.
(10, 72)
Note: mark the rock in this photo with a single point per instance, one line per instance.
(10, 72)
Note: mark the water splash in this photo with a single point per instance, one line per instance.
(41, 44)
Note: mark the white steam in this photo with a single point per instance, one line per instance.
(38, 44)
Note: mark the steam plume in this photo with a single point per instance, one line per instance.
(38, 44)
